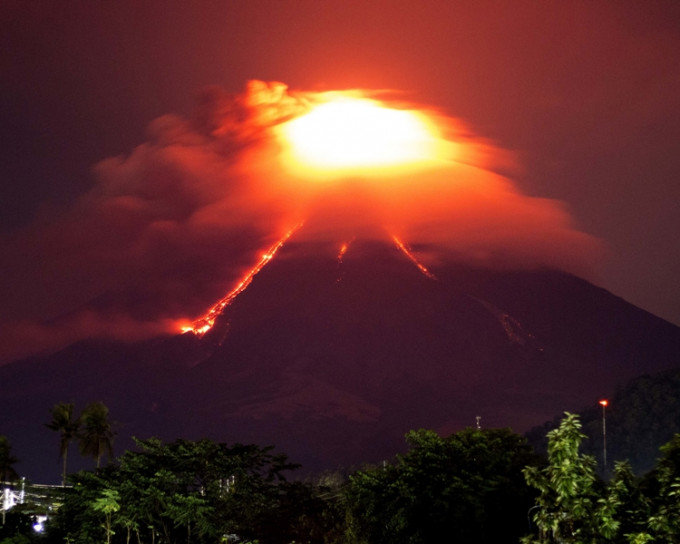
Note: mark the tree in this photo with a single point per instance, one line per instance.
(632, 506)
(76, 521)
(468, 487)
(96, 434)
(189, 492)
(107, 503)
(7, 461)
(67, 426)
(662, 489)
(573, 505)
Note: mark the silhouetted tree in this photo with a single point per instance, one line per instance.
(96, 435)
(66, 425)
(190, 492)
(467, 487)
(7, 461)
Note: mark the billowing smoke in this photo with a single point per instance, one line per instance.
(168, 229)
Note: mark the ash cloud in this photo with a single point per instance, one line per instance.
(167, 230)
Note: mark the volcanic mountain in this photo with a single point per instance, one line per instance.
(333, 352)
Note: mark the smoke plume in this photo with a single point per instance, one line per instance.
(167, 230)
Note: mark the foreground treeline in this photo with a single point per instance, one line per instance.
(190, 492)
(475, 486)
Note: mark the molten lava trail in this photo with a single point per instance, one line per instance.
(343, 249)
(205, 323)
(406, 251)
(341, 253)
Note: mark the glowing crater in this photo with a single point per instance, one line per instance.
(349, 133)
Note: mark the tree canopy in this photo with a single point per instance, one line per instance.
(7, 461)
(96, 434)
(467, 487)
(188, 491)
(66, 424)
(575, 506)
(474, 486)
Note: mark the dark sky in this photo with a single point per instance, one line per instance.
(584, 94)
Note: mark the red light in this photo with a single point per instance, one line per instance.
(604, 402)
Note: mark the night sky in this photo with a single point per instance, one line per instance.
(106, 105)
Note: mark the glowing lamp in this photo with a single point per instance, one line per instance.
(604, 403)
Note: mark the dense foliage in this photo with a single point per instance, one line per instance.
(475, 486)
(575, 506)
(188, 492)
(468, 487)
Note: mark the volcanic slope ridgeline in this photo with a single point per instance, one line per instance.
(333, 357)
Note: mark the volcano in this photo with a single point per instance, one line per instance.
(334, 351)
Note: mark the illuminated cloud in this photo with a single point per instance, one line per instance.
(170, 228)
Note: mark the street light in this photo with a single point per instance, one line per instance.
(604, 404)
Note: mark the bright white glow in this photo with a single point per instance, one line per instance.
(351, 133)
(39, 525)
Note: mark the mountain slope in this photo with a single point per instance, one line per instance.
(333, 357)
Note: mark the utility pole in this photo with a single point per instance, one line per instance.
(604, 404)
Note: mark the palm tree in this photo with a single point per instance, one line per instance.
(67, 426)
(96, 435)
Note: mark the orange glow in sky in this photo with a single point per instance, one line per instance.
(346, 134)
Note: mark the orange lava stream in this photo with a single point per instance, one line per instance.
(343, 249)
(412, 257)
(205, 323)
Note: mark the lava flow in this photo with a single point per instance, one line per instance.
(406, 251)
(343, 249)
(341, 253)
(205, 323)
